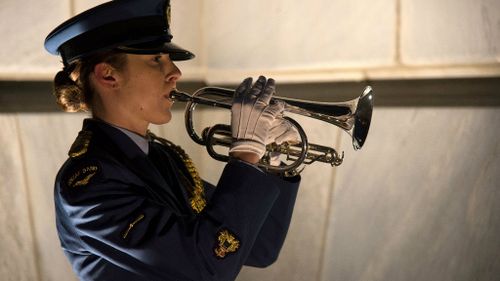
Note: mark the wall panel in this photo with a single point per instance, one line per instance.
(298, 34)
(294, 40)
(420, 201)
(25, 24)
(17, 246)
(450, 32)
(417, 202)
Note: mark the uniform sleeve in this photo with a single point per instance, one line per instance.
(272, 235)
(115, 222)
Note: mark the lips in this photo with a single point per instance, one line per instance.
(167, 97)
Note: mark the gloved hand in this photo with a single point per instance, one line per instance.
(252, 116)
(281, 131)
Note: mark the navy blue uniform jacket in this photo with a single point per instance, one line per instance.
(122, 216)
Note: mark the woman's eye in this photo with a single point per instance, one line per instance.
(157, 59)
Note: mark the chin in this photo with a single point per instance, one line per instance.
(164, 119)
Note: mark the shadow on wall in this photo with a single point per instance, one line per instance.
(35, 96)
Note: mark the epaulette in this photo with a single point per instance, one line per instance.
(81, 144)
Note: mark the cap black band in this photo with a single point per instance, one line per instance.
(106, 37)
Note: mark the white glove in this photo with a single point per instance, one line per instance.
(281, 131)
(252, 116)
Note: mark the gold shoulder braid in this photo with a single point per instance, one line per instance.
(197, 200)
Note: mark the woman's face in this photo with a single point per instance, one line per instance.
(146, 86)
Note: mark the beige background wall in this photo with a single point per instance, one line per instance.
(292, 40)
(419, 202)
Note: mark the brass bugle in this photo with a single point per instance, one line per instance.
(353, 116)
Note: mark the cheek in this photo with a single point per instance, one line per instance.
(146, 96)
(156, 108)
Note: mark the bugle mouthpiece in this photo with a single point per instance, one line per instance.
(177, 95)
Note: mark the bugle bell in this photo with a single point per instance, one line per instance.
(353, 116)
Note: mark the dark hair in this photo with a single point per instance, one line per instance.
(72, 88)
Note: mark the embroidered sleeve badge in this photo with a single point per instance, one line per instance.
(226, 244)
(82, 177)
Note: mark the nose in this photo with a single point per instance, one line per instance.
(174, 74)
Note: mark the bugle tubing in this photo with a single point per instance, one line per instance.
(353, 116)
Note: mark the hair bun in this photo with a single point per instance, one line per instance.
(69, 96)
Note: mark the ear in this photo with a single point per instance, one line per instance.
(106, 76)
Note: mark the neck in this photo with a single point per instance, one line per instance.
(123, 122)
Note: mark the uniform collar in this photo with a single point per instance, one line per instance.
(142, 142)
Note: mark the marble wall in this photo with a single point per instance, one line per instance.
(292, 40)
(18, 258)
(418, 202)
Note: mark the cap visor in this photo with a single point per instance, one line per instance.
(176, 53)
